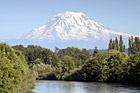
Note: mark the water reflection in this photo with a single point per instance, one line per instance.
(82, 87)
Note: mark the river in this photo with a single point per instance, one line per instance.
(82, 87)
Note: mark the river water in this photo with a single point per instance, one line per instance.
(82, 87)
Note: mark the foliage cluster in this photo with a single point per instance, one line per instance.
(15, 77)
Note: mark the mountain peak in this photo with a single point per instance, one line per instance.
(67, 13)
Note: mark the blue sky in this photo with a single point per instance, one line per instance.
(19, 16)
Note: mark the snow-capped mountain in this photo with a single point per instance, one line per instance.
(70, 29)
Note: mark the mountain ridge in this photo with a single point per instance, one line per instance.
(70, 27)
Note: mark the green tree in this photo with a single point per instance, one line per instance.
(33, 52)
(114, 45)
(85, 52)
(78, 56)
(92, 69)
(110, 44)
(96, 51)
(123, 48)
(134, 69)
(130, 46)
(134, 48)
(137, 42)
(121, 44)
(41, 69)
(14, 72)
(117, 63)
(139, 46)
(64, 67)
(117, 44)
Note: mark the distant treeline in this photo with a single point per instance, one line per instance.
(53, 65)
(20, 66)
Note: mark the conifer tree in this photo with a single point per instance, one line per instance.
(114, 45)
(132, 39)
(123, 48)
(137, 43)
(130, 46)
(121, 44)
(139, 46)
(110, 44)
(96, 51)
(116, 42)
(134, 48)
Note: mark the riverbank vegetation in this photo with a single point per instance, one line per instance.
(15, 76)
(82, 65)
(20, 66)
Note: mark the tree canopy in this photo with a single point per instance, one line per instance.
(14, 72)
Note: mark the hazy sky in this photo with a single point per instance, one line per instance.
(19, 16)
